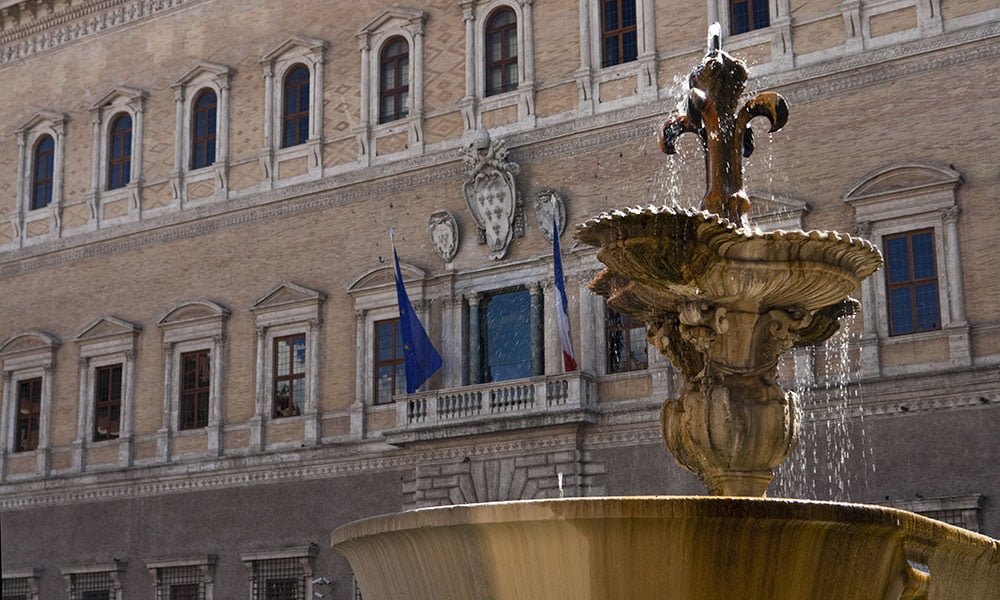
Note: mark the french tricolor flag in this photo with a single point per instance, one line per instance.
(562, 312)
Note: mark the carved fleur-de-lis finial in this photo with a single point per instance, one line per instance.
(712, 111)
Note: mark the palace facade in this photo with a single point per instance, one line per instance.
(199, 341)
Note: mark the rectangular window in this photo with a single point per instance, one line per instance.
(107, 402)
(747, 15)
(626, 343)
(278, 579)
(195, 387)
(911, 282)
(16, 588)
(505, 335)
(29, 412)
(619, 41)
(289, 376)
(179, 583)
(92, 586)
(390, 367)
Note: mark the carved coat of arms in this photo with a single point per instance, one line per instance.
(492, 195)
(444, 234)
(550, 208)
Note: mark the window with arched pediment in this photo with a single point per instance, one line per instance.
(394, 80)
(43, 167)
(119, 151)
(204, 125)
(295, 107)
(501, 51)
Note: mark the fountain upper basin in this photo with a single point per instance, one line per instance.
(658, 257)
(682, 548)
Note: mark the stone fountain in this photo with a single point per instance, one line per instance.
(723, 302)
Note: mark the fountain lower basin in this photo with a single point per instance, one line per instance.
(683, 548)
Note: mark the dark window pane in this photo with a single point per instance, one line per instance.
(610, 16)
(390, 369)
(630, 49)
(43, 162)
(295, 109)
(506, 336)
(740, 18)
(119, 151)
(628, 13)
(901, 302)
(898, 259)
(923, 255)
(928, 308)
(289, 376)
(761, 14)
(611, 51)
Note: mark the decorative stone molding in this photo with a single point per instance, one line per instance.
(476, 13)
(409, 24)
(186, 90)
(187, 327)
(444, 234)
(42, 123)
(491, 193)
(106, 341)
(549, 207)
(296, 50)
(27, 355)
(287, 309)
(22, 583)
(120, 100)
(205, 568)
(114, 571)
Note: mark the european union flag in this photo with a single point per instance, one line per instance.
(420, 356)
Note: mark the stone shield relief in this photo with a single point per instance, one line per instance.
(491, 194)
(549, 208)
(444, 234)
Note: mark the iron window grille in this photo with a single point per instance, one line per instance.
(16, 588)
(43, 166)
(107, 402)
(619, 32)
(390, 366)
(295, 109)
(29, 412)
(278, 579)
(180, 583)
(195, 389)
(747, 15)
(627, 348)
(120, 152)
(394, 80)
(289, 376)
(203, 129)
(501, 52)
(911, 282)
(92, 586)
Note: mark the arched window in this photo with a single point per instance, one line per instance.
(203, 126)
(120, 152)
(41, 180)
(747, 15)
(394, 80)
(501, 52)
(295, 112)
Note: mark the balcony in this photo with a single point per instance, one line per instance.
(491, 407)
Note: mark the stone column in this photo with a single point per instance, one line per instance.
(953, 256)
(468, 102)
(163, 435)
(23, 188)
(316, 124)
(267, 152)
(647, 76)
(44, 452)
(589, 322)
(475, 351)
(257, 421)
(537, 322)
(215, 420)
(417, 91)
(584, 80)
(95, 168)
(125, 439)
(312, 412)
(222, 119)
(451, 336)
(135, 174)
(550, 330)
(529, 43)
(851, 10)
(364, 128)
(57, 178)
(357, 408)
(84, 417)
(6, 416)
(176, 178)
(868, 346)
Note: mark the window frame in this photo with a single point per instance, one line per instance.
(24, 356)
(104, 342)
(28, 135)
(372, 38)
(609, 329)
(482, 305)
(28, 578)
(287, 85)
(114, 570)
(304, 557)
(210, 140)
(394, 362)
(108, 402)
(912, 282)
(35, 179)
(119, 101)
(32, 415)
(192, 395)
(277, 64)
(592, 75)
(191, 326)
(202, 566)
(617, 33)
(287, 309)
(125, 160)
(291, 377)
(730, 6)
(185, 176)
(899, 198)
(505, 57)
(400, 92)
